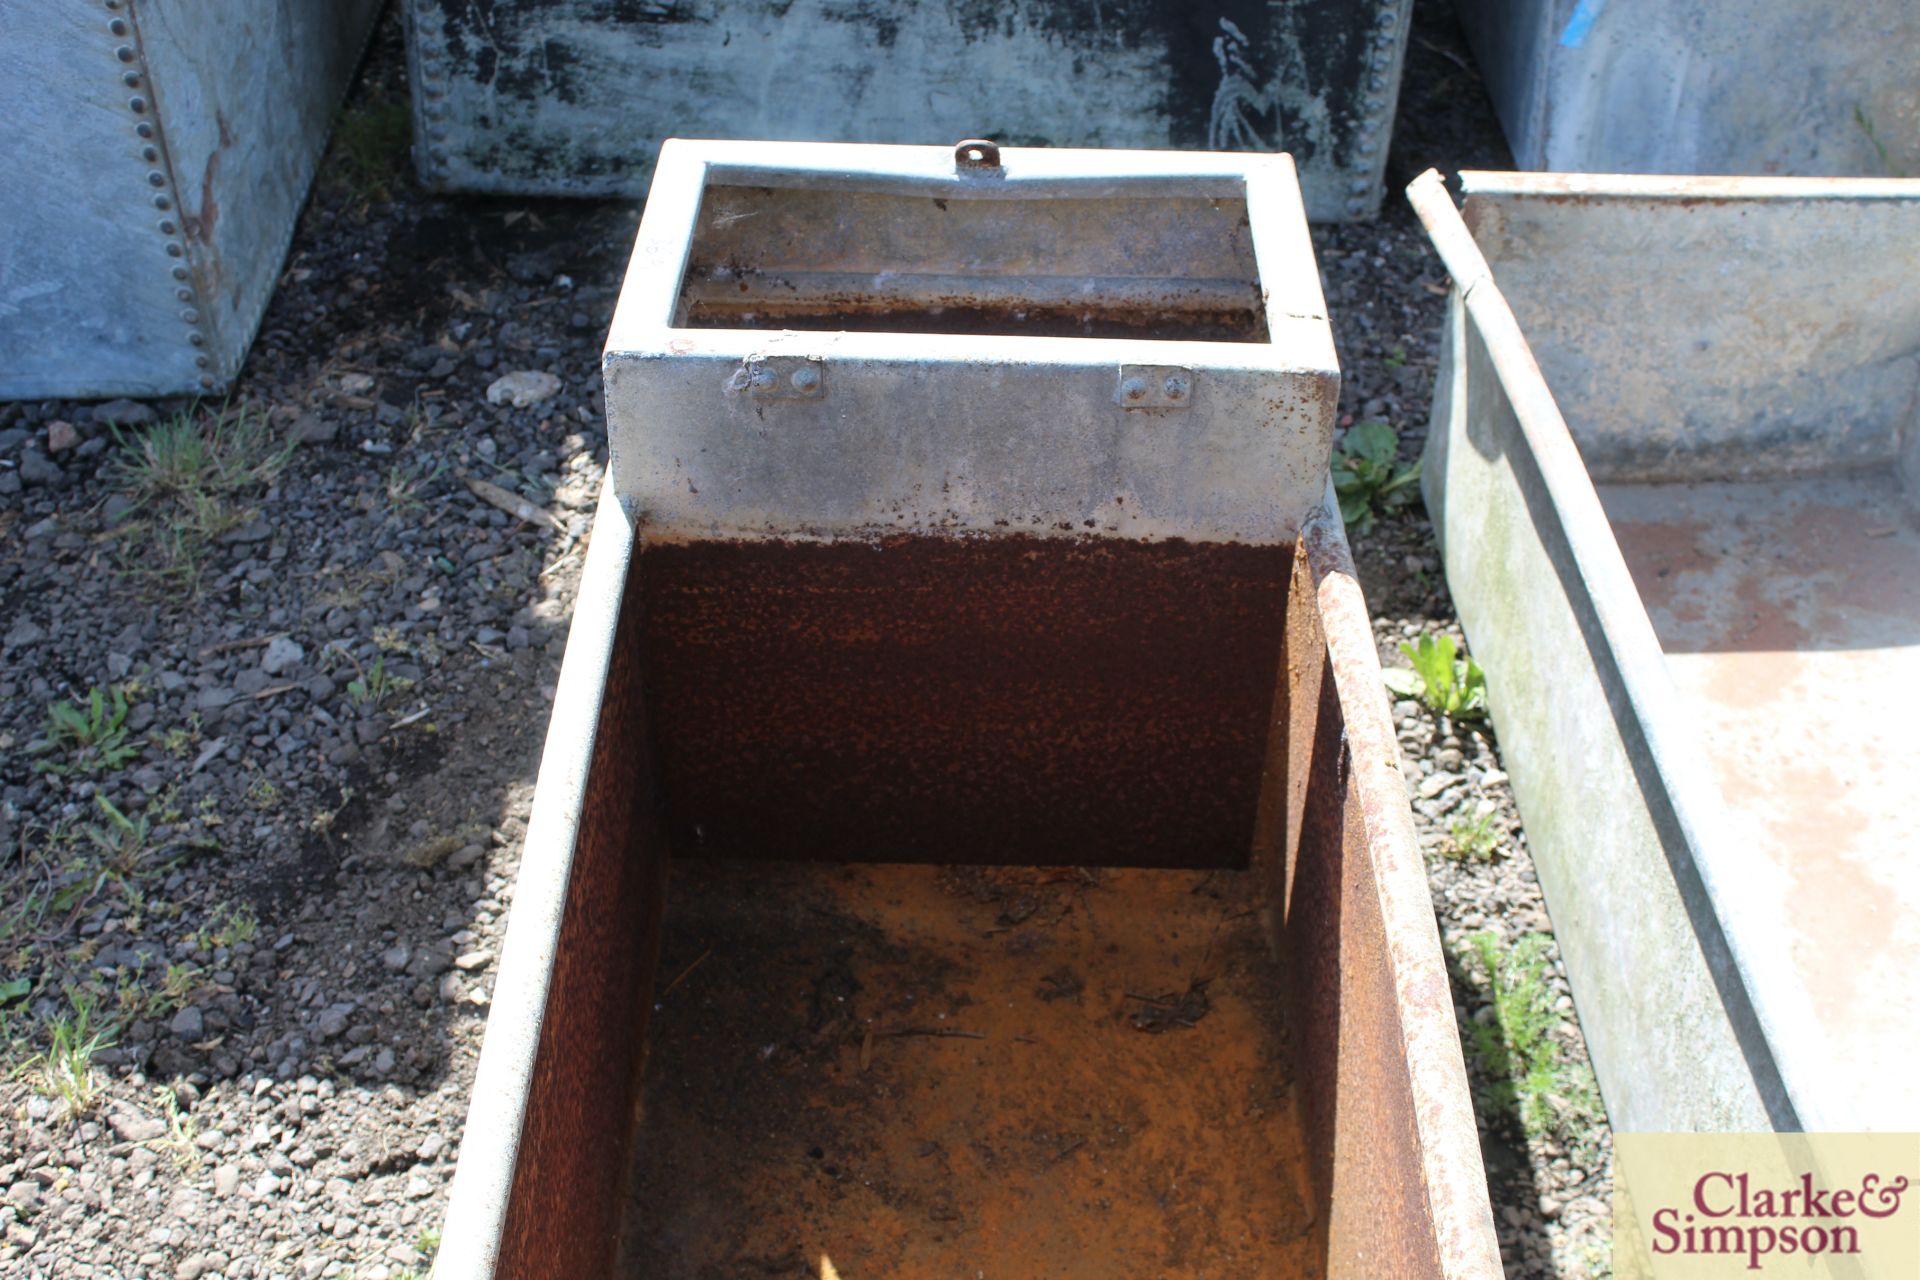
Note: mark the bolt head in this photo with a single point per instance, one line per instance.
(805, 378)
(1175, 387)
(1134, 389)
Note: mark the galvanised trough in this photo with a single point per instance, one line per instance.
(1702, 86)
(1674, 465)
(157, 154)
(970, 838)
(571, 97)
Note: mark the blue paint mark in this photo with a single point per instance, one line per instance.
(1580, 25)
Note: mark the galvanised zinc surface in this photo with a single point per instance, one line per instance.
(1703, 86)
(572, 97)
(157, 154)
(962, 432)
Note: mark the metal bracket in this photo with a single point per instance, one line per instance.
(1153, 386)
(978, 156)
(782, 377)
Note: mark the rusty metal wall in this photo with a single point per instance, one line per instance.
(158, 153)
(573, 97)
(1398, 1169)
(1703, 87)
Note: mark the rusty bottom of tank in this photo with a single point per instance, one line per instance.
(928, 698)
(865, 1071)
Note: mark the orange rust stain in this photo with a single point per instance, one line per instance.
(1659, 554)
(787, 1130)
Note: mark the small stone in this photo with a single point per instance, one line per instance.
(24, 633)
(131, 1126)
(432, 1145)
(469, 961)
(226, 1180)
(356, 384)
(419, 1186)
(522, 388)
(191, 1267)
(24, 1195)
(1435, 783)
(310, 428)
(333, 1020)
(281, 654)
(395, 957)
(189, 1024)
(265, 1185)
(62, 436)
(38, 469)
(465, 856)
(125, 413)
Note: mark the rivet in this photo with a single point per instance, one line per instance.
(197, 339)
(190, 315)
(157, 179)
(1384, 39)
(114, 4)
(1175, 387)
(175, 251)
(185, 295)
(150, 153)
(1376, 82)
(144, 129)
(179, 273)
(201, 362)
(131, 79)
(437, 135)
(1366, 148)
(435, 111)
(1360, 186)
(431, 89)
(167, 226)
(118, 26)
(1134, 388)
(1388, 17)
(162, 203)
(125, 52)
(805, 378)
(137, 105)
(206, 382)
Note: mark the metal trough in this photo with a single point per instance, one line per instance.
(157, 155)
(570, 97)
(970, 836)
(1697, 599)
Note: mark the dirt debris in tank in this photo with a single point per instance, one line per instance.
(923, 1071)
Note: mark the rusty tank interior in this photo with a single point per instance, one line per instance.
(971, 839)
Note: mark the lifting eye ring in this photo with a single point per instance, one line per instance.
(976, 155)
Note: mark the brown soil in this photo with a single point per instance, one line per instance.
(914, 1071)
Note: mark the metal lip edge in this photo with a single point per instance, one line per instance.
(1683, 187)
(1763, 967)
(497, 1101)
(1306, 353)
(663, 245)
(1025, 170)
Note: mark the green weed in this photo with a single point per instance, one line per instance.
(229, 926)
(1450, 685)
(182, 1129)
(1865, 124)
(1529, 1072)
(1474, 839)
(375, 685)
(88, 736)
(1368, 476)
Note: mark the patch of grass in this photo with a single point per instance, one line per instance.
(122, 841)
(1395, 358)
(229, 926)
(367, 155)
(1448, 683)
(263, 795)
(66, 1069)
(185, 476)
(1368, 476)
(182, 1129)
(404, 482)
(428, 1243)
(89, 736)
(1475, 838)
(1529, 1072)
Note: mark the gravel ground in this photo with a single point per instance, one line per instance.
(273, 888)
